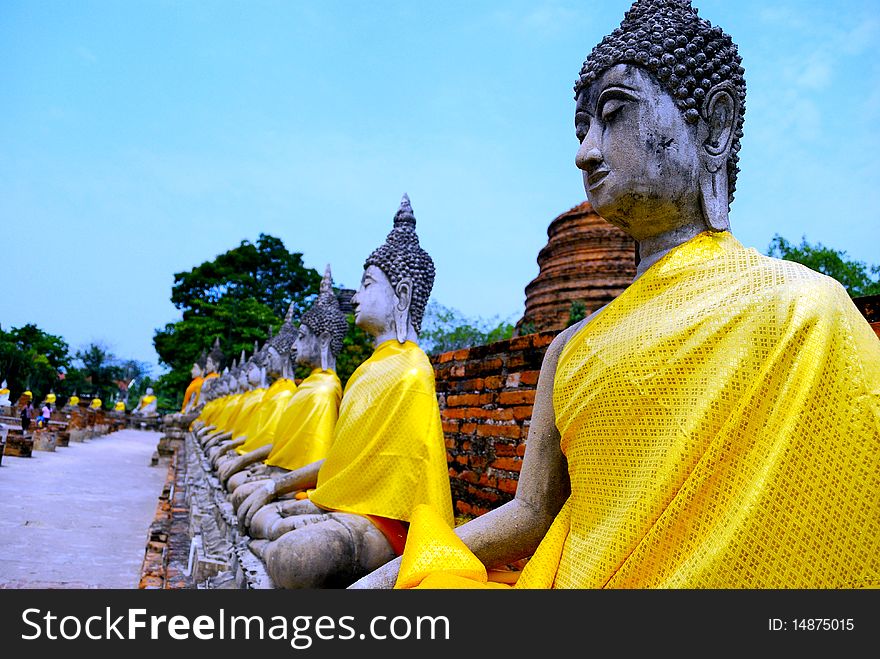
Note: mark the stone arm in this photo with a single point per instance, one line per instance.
(303, 478)
(241, 461)
(514, 530)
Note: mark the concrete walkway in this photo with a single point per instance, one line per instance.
(79, 517)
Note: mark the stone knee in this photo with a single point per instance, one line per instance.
(320, 555)
(277, 518)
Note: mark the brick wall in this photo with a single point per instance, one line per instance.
(486, 395)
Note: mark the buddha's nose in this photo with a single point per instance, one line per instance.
(588, 157)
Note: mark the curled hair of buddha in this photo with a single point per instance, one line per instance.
(202, 361)
(283, 341)
(686, 54)
(325, 315)
(401, 256)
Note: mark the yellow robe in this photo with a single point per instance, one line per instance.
(191, 396)
(305, 433)
(119, 406)
(146, 400)
(247, 412)
(721, 422)
(261, 430)
(388, 453)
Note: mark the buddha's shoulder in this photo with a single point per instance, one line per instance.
(794, 283)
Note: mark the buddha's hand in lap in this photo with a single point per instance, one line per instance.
(261, 495)
(243, 491)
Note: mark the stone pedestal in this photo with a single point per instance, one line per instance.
(44, 440)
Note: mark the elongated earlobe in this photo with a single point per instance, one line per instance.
(403, 291)
(720, 111)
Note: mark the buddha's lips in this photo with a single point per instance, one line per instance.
(597, 177)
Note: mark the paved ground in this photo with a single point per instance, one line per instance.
(79, 517)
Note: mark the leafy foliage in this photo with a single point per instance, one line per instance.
(856, 277)
(445, 329)
(31, 359)
(236, 297)
(356, 349)
(577, 312)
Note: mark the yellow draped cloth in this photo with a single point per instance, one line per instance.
(721, 422)
(146, 400)
(191, 396)
(247, 412)
(232, 407)
(388, 453)
(73, 401)
(305, 433)
(95, 404)
(263, 424)
(119, 406)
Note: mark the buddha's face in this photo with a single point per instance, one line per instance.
(308, 347)
(196, 370)
(639, 157)
(254, 374)
(274, 362)
(374, 302)
(210, 366)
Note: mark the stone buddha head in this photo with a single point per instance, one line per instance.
(396, 284)
(279, 349)
(322, 329)
(659, 115)
(215, 361)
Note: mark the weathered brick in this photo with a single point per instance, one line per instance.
(521, 449)
(543, 339)
(461, 400)
(517, 397)
(529, 378)
(507, 485)
(523, 412)
(467, 428)
(512, 381)
(451, 426)
(510, 431)
(482, 367)
(520, 343)
(444, 357)
(504, 449)
(494, 382)
(507, 464)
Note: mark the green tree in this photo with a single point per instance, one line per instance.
(236, 298)
(32, 359)
(856, 277)
(445, 329)
(356, 349)
(577, 312)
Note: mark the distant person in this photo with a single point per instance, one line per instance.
(45, 414)
(27, 413)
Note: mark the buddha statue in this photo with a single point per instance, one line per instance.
(147, 405)
(215, 361)
(267, 365)
(250, 386)
(193, 390)
(300, 432)
(72, 402)
(387, 455)
(4, 395)
(119, 407)
(719, 417)
(95, 404)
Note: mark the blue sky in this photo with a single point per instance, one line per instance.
(139, 139)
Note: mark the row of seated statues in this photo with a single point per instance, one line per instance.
(717, 425)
